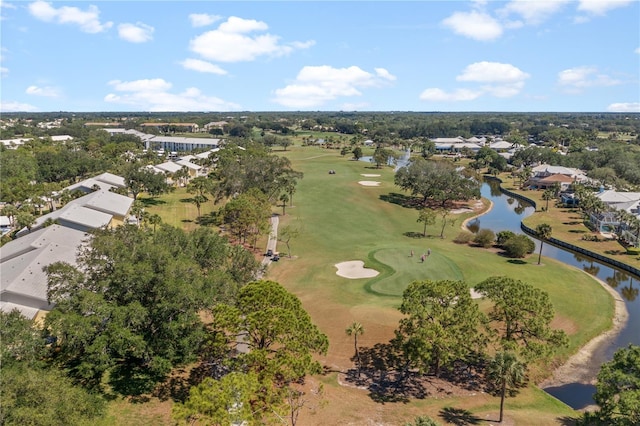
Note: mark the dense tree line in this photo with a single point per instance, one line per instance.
(131, 307)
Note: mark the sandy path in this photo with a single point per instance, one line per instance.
(584, 365)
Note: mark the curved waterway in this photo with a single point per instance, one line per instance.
(506, 214)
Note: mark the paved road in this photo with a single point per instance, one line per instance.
(271, 244)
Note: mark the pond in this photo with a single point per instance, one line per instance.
(396, 162)
(506, 214)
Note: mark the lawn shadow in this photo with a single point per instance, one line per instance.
(385, 375)
(517, 262)
(399, 199)
(567, 421)
(146, 202)
(207, 219)
(186, 200)
(459, 416)
(411, 234)
(578, 231)
(572, 223)
(615, 252)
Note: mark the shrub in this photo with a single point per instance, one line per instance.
(463, 237)
(485, 238)
(519, 246)
(503, 236)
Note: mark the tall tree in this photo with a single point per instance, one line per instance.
(442, 324)
(521, 315)
(618, 389)
(279, 336)
(543, 232)
(227, 401)
(507, 373)
(547, 196)
(355, 329)
(427, 217)
(436, 180)
(285, 234)
(131, 307)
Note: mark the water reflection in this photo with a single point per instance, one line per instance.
(629, 293)
(506, 214)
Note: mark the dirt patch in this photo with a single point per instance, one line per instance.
(369, 183)
(355, 269)
(565, 324)
(369, 175)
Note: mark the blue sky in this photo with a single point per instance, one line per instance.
(320, 56)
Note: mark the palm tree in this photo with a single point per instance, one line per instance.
(543, 232)
(154, 220)
(547, 195)
(355, 329)
(506, 371)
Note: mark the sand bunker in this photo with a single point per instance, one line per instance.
(475, 294)
(355, 269)
(369, 175)
(369, 183)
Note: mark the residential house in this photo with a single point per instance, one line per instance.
(104, 181)
(23, 283)
(98, 209)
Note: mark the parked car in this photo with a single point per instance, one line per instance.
(269, 253)
(275, 257)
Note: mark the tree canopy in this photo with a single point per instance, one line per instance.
(618, 388)
(521, 315)
(132, 304)
(442, 324)
(436, 180)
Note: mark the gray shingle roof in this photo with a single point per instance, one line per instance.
(23, 283)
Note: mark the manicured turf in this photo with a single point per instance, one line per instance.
(340, 220)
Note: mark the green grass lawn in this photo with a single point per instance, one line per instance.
(176, 209)
(341, 220)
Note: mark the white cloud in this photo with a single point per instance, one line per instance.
(203, 19)
(492, 72)
(496, 79)
(153, 95)
(88, 21)
(12, 106)
(601, 7)
(50, 92)
(202, 66)
(475, 25)
(439, 95)
(316, 85)
(574, 80)
(136, 33)
(231, 42)
(637, 50)
(146, 85)
(4, 71)
(624, 107)
(532, 12)
(383, 73)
